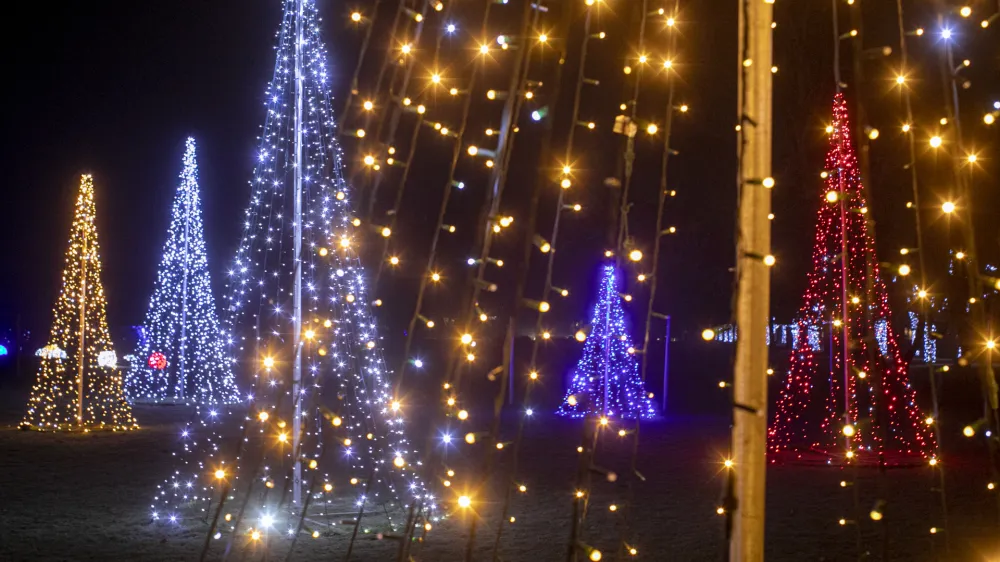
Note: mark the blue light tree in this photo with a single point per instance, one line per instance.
(181, 356)
(323, 433)
(606, 380)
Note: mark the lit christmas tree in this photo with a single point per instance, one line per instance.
(78, 384)
(180, 356)
(324, 433)
(606, 380)
(870, 409)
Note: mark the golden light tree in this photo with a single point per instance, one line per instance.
(79, 386)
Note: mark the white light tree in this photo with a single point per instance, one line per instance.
(323, 431)
(180, 355)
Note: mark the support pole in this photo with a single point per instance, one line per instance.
(81, 354)
(749, 434)
(297, 264)
(666, 366)
(181, 382)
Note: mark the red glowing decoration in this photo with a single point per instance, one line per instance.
(869, 408)
(157, 361)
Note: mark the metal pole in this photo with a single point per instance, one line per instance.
(182, 383)
(843, 303)
(297, 264)
(80, 355)
(749, 434)
(607, 348)
(666, 366)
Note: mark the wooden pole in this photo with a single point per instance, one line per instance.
(749, 434)
(81, 354)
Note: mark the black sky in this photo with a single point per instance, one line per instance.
(113, 88)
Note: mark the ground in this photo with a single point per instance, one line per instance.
(87, 497)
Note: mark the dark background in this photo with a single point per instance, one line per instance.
(112, 88)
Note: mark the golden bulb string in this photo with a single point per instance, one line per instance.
(417, 509)
(380, 140)
(369, 23)
(977, 313)
(541, 182)
(411, 153)
(861, 140)
(519, 81)
(629, 152)
(626, 527)
(399, 34)
(922, 302)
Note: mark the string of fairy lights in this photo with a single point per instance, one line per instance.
(78, 386)
(353, 433)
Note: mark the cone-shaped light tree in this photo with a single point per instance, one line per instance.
(606, 380)
(857, 403)
(78, 385)
(324, 433)
(181, 356)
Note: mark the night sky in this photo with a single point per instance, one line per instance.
(113, 88)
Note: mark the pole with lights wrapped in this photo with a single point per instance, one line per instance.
(606, 380)
(78, 386)
(181, 356)
(325, 433)
(869, 389)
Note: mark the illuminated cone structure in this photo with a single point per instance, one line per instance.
(181, 356)
(353, 454)
(606, 380)
(857, 404)
(78, 385)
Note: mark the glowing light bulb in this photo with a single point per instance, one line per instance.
(708, 334)
(832, 196)
(769, 260)
(356, 17)
(220, 474)
(652, 129)
(268, 362)
(935, 141)
(635, 255)
(464, 502)
(965, 12)
(849, 430)
(904, 270)
(948, 207)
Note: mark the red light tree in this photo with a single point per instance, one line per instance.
(870, 413)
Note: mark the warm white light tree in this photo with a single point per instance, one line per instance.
(180, 355)
(78, 385)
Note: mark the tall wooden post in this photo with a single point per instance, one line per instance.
(749, 436)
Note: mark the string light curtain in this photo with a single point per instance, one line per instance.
(180, 356)
(870, 403)
(78, 386)
(353, 437)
